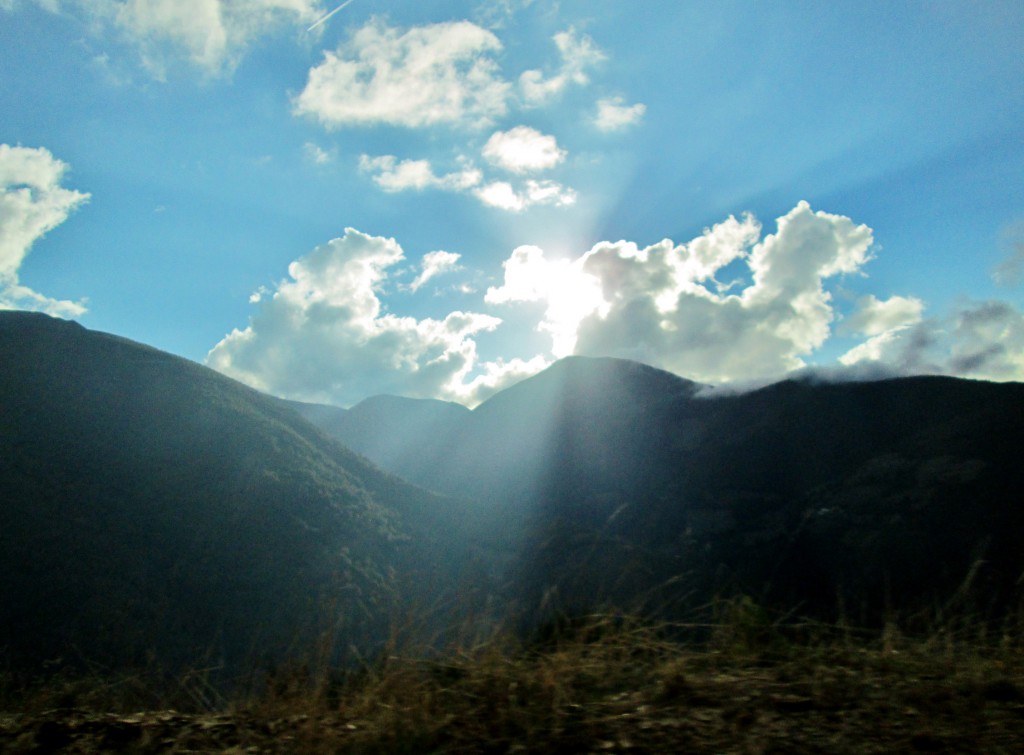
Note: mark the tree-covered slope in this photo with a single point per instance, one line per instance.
(616, 479)
(392, 431)
(154, 511)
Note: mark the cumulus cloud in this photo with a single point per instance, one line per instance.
(434, 264)
(438, 74)
(393, 175)
(324, 335)
(578, 54)
(500, 194)
(523, 150)
(614, 115)
(447, 74)
(570, 295)
(662, 305)
(213, 35)
(32, 202)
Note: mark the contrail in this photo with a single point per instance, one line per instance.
(328, 15)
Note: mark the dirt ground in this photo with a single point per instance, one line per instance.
(692, 703)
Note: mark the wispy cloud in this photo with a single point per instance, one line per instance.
(505, 196)
(324, 19)
(433, 265)
(211, 35)
(978, 340)
(393, 175)
(578, 54)
(318, 155)
(614, 115)
(1010, 271)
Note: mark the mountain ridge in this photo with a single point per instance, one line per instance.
(611, 473)
(156, 509)
(209, 517)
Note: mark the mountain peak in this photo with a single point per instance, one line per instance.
(591, 380)
(391, 402)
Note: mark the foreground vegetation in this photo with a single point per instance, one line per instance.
(744, 682)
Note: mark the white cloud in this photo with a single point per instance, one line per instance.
(324, 335)
(500, 194)
(978, 340)
(661, 304)
(578, 53)
(434, 264)
(32, 202)
(874, 317)
(570, 294)
(499, 374)
(213, 35)
(549, 192)
(882, 322)
(614, 115)
(438, 74)
(504, 196)
(393, 175)
(494, 14)
(523, 150)
(318, 155)
(446, 74)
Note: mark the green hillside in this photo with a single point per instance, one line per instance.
(622, 484)
(157, 513)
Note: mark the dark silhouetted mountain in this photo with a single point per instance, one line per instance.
(390, 430)
(156, 512)
(619, 482)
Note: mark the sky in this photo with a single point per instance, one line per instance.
(435, 199)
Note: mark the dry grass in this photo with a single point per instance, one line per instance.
(743, 682)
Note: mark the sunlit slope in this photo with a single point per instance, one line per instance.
(622, 477)
(391, 430)
(155, 511)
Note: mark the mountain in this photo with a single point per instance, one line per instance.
(505, 450)
(155, 512)
(621, 483)
(390, 430)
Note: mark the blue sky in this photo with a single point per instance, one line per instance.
(438, 198)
